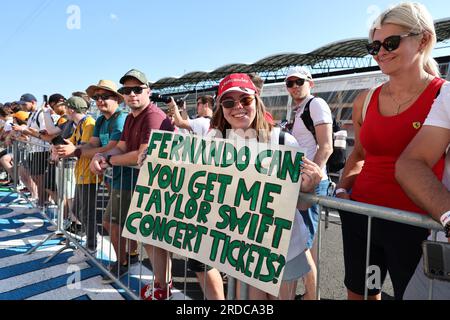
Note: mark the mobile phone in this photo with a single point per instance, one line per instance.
(436, 260)
(45, 99)
(58, 140)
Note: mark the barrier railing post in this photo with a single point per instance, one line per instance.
(319, 245)
(431, 281)
(231, 288)
(369, 241)
(60, 176)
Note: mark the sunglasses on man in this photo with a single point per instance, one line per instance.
(127, 90)
(298, 82)
(104, 97)
(229, 103)
(390, 43)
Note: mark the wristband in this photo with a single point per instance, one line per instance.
(445, 218)
(77, 153)
(340, 190)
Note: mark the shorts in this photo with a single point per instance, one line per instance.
(395, 247)
(296, 268)
(197, 266)
(50, 177)
(117, 208)
(311, 215)
(37, 163)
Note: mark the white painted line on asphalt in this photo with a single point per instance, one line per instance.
(92, 287)
(36, 276)
(30, 224)
(41, 253)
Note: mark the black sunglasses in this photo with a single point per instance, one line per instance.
(244, 101)
(299, 82)
(104, 96)
(127, 90)
(390, 43)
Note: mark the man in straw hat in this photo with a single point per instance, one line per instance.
(106, 132)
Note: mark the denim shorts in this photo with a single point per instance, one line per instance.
(296, 268)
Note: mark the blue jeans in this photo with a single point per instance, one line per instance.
(311, 216)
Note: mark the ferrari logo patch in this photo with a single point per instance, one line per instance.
(417, 125)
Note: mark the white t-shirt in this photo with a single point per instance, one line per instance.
(299, 233)
(200, 125)
(320, 114)
(439, 116)
(36, 121)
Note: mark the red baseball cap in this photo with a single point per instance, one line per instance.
(240, 82)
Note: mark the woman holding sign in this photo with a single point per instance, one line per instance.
(240, 116)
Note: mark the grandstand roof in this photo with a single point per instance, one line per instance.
(341, 54)
(442, 29)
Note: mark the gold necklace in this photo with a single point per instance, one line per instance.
(400, 105)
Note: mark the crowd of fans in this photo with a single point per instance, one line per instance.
(99, 154)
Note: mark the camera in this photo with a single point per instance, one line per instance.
(436, 260)
(155, 97)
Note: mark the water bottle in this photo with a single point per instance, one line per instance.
(340, 139)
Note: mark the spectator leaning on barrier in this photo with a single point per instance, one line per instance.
(318, 147)
(414, 173)
(6, 158)
(241, 112)
(57, 121)
(402, 39)
(109, 126)
(107, 131)
(37, 162)
(54, 116)
(85, 180)
(200, 125)
(143, 118)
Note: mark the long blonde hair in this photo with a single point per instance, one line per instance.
(416, 18)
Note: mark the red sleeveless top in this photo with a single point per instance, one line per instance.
(384, 139)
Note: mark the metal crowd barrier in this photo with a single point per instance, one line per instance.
(27, 158)
(371, 211)
(95, 192)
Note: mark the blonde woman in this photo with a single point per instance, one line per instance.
(400, 40)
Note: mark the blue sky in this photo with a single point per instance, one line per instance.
(46, 47)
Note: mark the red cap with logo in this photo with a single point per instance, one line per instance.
(240, 82)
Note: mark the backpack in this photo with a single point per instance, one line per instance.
(337, 159)
(36, 118)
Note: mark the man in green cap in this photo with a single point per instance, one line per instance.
(85, 180)
(143, 118)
